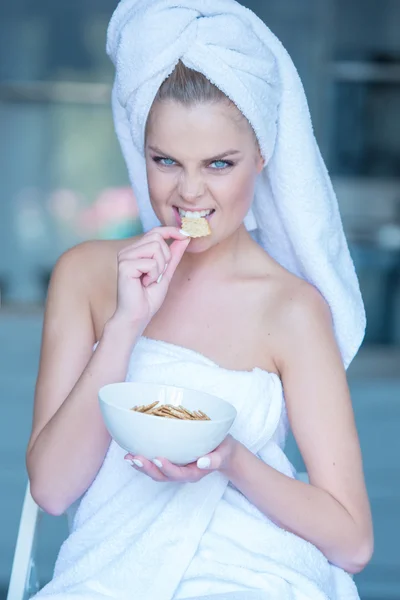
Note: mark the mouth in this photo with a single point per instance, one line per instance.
(192, 214)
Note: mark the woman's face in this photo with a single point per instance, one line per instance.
(201, 158)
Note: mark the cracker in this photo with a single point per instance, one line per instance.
(196, 227)
(172, 412)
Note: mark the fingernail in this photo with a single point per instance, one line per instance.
(204, 462)
(161, 276)
(137, 462)
(158, 463)
(184, 233)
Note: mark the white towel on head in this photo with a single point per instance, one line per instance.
(295, 214)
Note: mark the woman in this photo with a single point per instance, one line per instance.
(218, 313)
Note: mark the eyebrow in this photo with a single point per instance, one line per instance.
(213, 158)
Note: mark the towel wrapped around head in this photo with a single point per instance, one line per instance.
(295, 215)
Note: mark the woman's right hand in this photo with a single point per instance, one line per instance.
(145, 270)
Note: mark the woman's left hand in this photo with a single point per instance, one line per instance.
(162, 470)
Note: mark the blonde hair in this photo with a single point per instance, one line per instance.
(190, 87)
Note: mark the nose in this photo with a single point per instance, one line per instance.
(191, 187)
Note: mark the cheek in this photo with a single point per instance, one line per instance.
(159, 185)
(239, 192)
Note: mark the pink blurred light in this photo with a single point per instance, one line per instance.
(112, 205)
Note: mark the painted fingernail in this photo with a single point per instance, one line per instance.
(158, 463)
(184, 233)
(137, 462)
(204, 462)
(161, 276)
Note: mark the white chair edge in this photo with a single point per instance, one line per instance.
(23, 562)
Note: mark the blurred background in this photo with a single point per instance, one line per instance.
(63, 180)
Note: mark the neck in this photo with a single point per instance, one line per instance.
(222, 258)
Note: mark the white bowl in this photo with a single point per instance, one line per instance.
(179, 441)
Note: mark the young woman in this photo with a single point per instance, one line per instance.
(220, 314)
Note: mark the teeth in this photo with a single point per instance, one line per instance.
(192, 214)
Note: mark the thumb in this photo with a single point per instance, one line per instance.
(177, 250)
(209, 462)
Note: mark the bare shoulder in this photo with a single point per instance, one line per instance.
(301, 305)
(89, 260)
(305, 323)
(295, 315)
(88, 271)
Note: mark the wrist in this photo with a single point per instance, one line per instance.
(231, 466)
(120, 328)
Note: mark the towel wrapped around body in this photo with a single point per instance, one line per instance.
(134, 538)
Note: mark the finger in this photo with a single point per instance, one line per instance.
(158, 239)
(152, 236)
(152, 250)
(149, 280)
(209, 462)
(142, 266)
(189, 473)
(139, 463)
(169, 233)
(178, 249)
(155, 248)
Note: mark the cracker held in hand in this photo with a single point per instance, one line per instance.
(196, 227)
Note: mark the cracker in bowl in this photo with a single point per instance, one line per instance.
(169, 411)
(196, 227)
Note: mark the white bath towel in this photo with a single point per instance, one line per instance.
(136, 539)
(295, 214)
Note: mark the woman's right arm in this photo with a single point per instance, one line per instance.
(69, 440)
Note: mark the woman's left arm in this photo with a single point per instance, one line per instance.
(332, 512)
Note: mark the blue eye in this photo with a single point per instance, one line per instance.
(165, 162)
(221, 164)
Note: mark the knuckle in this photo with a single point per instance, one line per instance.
(151, 235)
(153, 263)
(123, 266)
(156, 247)
(156, 243)
(159, 240)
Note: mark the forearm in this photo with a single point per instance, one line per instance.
(67, 454)
(305, 510)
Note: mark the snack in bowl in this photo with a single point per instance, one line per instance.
(179, 440)
(172, 412)
(195, 227)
